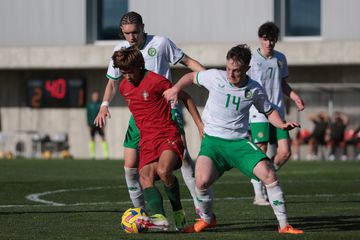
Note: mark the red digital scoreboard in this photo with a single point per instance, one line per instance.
(56, 93)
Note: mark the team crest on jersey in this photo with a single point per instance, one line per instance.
(145, 95)
(152, 51)
(248, 94)
(260, 135)
(221, 85)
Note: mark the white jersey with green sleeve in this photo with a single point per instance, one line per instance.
(269, 73)
(226, 112)
(158, 52)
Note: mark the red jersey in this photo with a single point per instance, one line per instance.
(151, 111)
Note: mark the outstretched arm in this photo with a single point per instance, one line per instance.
(276, 120)
(192, 64)
(110, 92)
(171, 94)
(288, 91)
(191, 107)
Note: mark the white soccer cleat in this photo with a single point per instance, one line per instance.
(157, 221)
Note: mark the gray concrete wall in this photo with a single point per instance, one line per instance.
(340, 20)
(204, 21)
(97, 56)
(42, 22)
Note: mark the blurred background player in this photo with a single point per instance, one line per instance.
(353, 140)
(92, 109)
(318, 135)
(225, 144)
(338, 126)
(158, 52)
(302, 136)
(269, 68)
(161, 146)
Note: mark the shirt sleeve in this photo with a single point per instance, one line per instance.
(261, 100)
(174, 53)
(284, 68)
(206, 78)
(113, 73)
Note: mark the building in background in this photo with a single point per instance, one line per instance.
(54, 53)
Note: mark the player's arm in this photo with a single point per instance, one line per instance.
(192, 64)
(191, 107)
(275, 119)
(171, 94)
(110, 92)
(288, 91)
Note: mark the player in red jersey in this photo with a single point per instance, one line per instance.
(161, 147)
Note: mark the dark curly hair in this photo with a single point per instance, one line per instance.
(269, 30)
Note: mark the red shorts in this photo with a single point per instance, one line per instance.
(150, 150)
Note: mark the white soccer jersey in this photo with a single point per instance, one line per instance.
(226, 113)
(270, 73)
(158, 52)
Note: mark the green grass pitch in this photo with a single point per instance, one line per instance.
(83, 199)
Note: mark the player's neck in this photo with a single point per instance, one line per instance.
(242, 82)
(266, 53)
(142, 41)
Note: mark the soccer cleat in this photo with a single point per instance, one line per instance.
(200, 225)
(180, 220)
(260, 201)
(290, 230)
(157, 221)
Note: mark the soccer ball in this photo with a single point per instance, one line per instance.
(128, 220)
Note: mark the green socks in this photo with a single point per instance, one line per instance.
(154, 201)
(173, 193)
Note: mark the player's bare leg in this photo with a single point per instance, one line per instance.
(132, 177)
(188, 173)
(264, 170)
(168, 162)
(283, 153)
(260, 198)
(206, 175)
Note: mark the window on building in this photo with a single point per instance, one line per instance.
(109, 13)
(298, 18)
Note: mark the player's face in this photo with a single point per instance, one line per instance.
(133, 75)
(236, 72)
(133, 33)
(267, 45)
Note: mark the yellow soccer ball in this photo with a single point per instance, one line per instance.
(128, 220)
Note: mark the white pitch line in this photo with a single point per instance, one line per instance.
(184, 200)
(35, 197)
